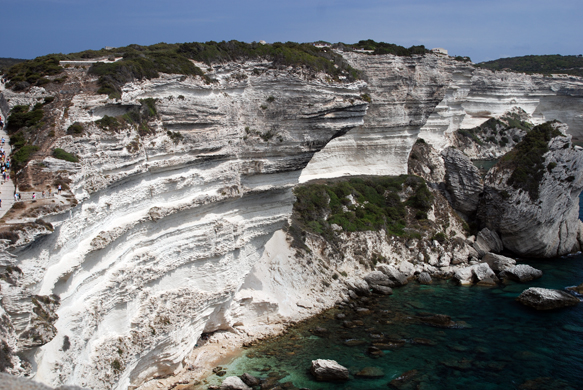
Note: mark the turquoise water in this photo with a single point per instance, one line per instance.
(497, 343)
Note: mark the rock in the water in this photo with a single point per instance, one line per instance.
(474, 274)
(234, 383)
(329, 370)
(424, 278)
(578, 289)
(403, 380)
(384, 290)
(462, 181)
(359, 286)
(250, 380)
(499, 263)
(394, 274)
(523, 273)
(370, 372)
(439, 320)
(378, 278)
(488, 241)
(546, 299)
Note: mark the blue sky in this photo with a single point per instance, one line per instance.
(482, 29)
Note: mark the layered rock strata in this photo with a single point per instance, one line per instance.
(543, 226)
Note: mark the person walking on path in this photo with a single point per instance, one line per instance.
(59, 189)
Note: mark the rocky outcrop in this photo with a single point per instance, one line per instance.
(499, 263)
(545, 224)
(477, 273)
(523, 273)
(329, 370)
(488, 241)
(462, 181)
(578, 289)
(546, 299)
(403, 92)
(234, 383)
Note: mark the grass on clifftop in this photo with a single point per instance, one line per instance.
(377, 204)
(546, 64)
(147, 62)
(527, 161)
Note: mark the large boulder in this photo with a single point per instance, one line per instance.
(329, 370)
(359, 286)
(424, 278)
(463, 181)
(546, 299)
(488, 241)
(523, 273)
(476, 273)
(378, 278)
(234, 383)
(396, 276)
(499, 263)
(250, 380)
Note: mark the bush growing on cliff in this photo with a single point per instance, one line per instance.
(378, 205)
(32, 72)
(527, 161)
(21, 116)
(63, 155)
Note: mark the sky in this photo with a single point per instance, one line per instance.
(481, 29)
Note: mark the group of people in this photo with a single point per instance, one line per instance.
(44, 194)
(4, 162)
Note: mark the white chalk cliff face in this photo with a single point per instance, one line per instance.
(166, 232)
(166, 239)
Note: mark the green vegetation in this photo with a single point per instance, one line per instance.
(108, 123)
(546, 64)
(281, 54)
(136, 117)
(175, 136)
(20, 117)
(527, 161)
(27, 73)
(7, 63)
(140, 62)
(61, 154)
(378, 205)
(492, 128)
(366, 97)
(388, 48)
(48, 99)
(75, 129)
(23, 155)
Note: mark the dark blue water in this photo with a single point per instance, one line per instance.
(498, 344)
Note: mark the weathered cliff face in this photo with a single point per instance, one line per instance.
(475, 95)
(166, 231)
(403, 91)
(169, 234)
(543, 225)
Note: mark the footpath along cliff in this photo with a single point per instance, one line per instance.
(177, 216)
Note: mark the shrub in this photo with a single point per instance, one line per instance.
(75, 129)
(526, 159)
(366, 97)
(62, 155)
(270, 99)
(33, 71)
(23, 155)
(108, 123)
(20, 117)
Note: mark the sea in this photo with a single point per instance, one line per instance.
(494, 343)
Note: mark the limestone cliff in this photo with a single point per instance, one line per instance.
(535, 208)
(165, 228)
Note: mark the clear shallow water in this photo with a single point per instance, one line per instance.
(500, 344)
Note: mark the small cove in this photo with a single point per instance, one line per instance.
(497, 343)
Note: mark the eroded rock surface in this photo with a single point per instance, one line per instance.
(546, 299)
(329, 370)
